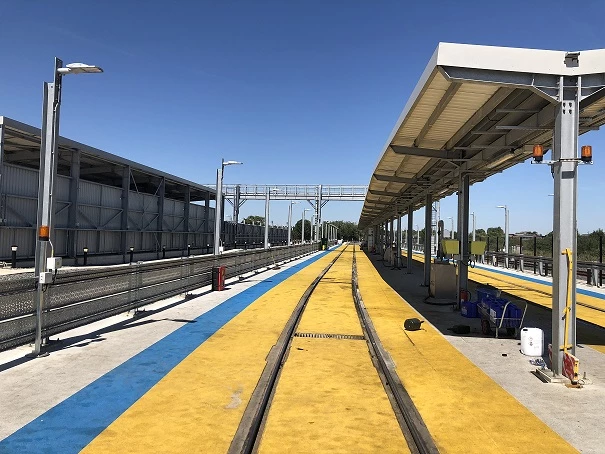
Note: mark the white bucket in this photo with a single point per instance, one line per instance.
(532, 341)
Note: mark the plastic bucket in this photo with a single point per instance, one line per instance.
(532, 341)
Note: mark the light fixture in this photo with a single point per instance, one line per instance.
(586, 155)
(538, 153)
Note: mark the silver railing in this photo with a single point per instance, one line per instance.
(81, 296)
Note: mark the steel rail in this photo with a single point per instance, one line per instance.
(247, 436)
(409, 418)
(249, 429)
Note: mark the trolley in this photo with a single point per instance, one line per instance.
(493, 318)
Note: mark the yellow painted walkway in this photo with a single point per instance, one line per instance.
(197, 407)
(329, 397)
(463, 408)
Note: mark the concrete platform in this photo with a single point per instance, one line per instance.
(575, 414)
(178, 376)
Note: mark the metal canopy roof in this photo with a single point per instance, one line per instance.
(477, 110)
(22, 147)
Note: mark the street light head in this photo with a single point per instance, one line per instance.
(501, 206)
(231, 163)
(79, 68)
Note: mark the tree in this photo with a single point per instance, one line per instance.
(255, 220)
(297, 230)
(347, 230)
(480, 234)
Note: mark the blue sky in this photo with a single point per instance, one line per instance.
(304, 92)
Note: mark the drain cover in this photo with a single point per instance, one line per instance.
(331, 336)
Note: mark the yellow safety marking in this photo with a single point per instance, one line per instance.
(329, 397)
(340, 313)
(464, 409)
(197, 407)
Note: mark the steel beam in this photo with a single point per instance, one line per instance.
(496, 99)
(218, 211)
(428, 232)
(206, 217)
(383, 193)
(439, 108)
(410, 238)
(267, 196)
(72, 222)
(391, 239)
(124, 216)
(186, 216)
(565, 145)
(160, 219)
(394, 179)
(398, 240)
(463, 215)
(426, 152)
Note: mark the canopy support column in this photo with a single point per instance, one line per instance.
(428, 232)
(391, 240)
(410, 237)
(398, 241)
(463, 215)
(564, 170)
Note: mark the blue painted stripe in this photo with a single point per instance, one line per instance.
(539, 281)
(74, 423)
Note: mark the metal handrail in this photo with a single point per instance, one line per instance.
(81, 296)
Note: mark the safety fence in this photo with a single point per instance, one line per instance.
(81, 296)
(593, 273)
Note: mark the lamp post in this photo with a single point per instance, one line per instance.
(218, 211)
(417, 237)
(473, 215)
(267, 198)
(290, 222)
(452, 229)
(302, 235)
(505, 232)
(47, 177)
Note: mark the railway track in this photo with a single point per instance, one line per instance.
(248, 435)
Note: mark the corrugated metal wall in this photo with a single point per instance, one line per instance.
(98, 218)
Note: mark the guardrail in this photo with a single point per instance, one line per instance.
(81, 296)
(593, 273)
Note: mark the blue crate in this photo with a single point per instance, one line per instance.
(512, 311)
(496, 308)
(468, 309)
(483, 294)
